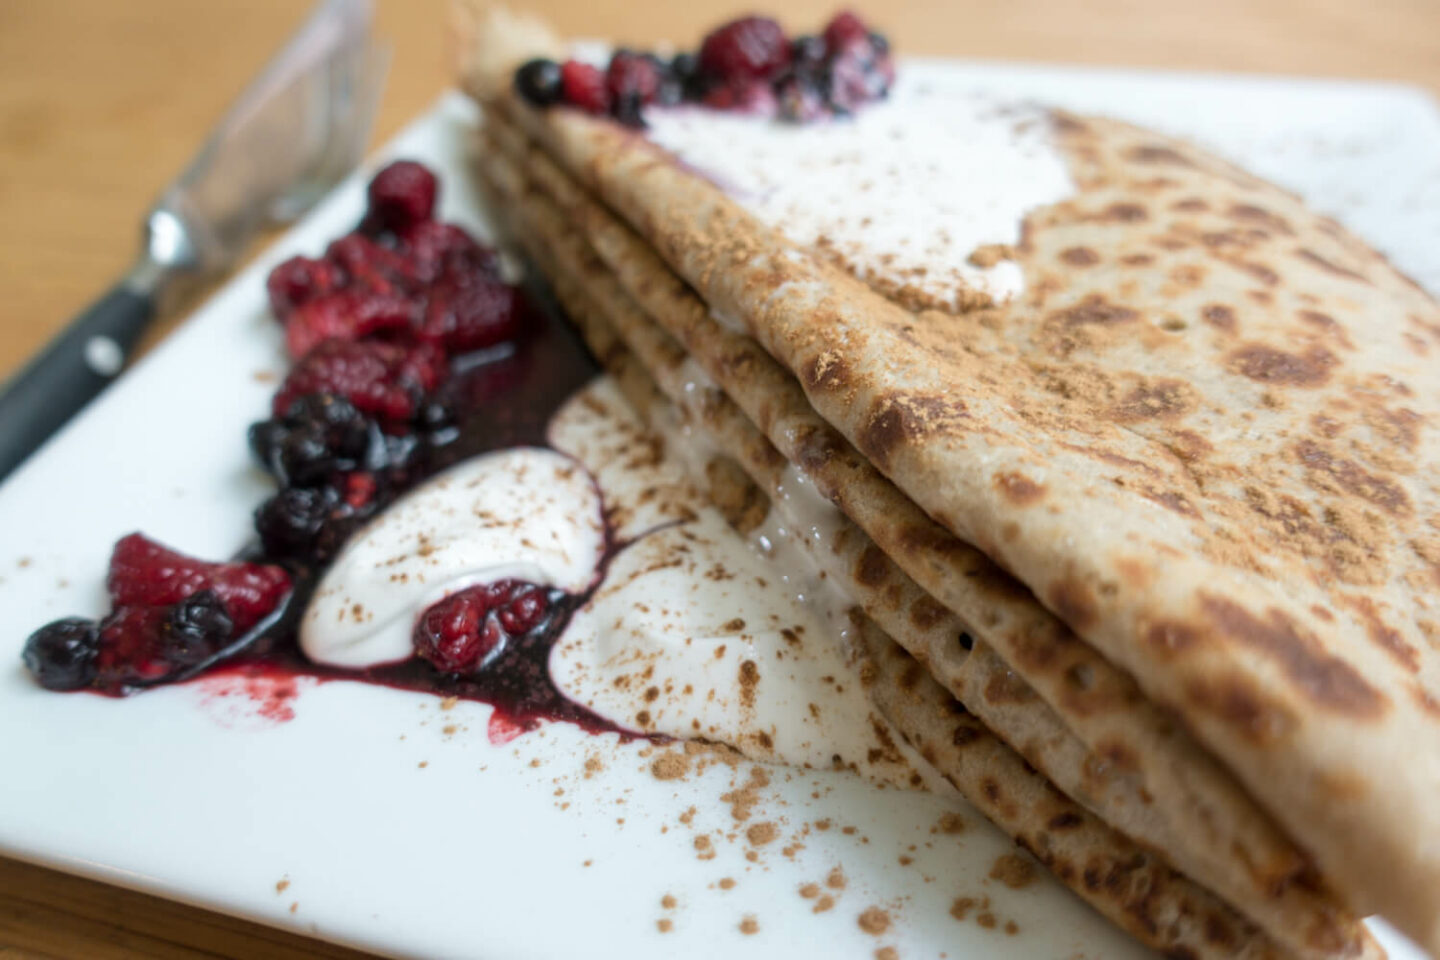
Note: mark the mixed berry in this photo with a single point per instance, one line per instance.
(385, 331)
(748, 64)
(170, 616)
(469, 630)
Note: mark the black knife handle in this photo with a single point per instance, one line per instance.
(71, 371)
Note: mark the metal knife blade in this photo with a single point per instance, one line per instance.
(299, 128)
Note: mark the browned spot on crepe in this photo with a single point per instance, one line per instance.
(1271, 365)
(1019, 489)
(1325, 680)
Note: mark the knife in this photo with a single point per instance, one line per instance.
(296, 131)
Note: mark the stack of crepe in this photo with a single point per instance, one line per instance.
(1145, 554)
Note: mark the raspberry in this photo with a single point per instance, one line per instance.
(750, 48)
(584, 87)
(844, 29)
(369, 266)
(631, 76)
(462, 316)
(438, 249)
(130, 650)
(360, 489)
(299, 280)
(382, 379)
(466, 631)
(61, 655)
(146, 574)
(402, 194)
(346, 315)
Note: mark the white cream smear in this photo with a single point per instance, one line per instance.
(527, 513)
(902, 193)
(692, 633)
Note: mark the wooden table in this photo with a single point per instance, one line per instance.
(102, 102)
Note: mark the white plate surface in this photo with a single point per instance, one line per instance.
(364, 821)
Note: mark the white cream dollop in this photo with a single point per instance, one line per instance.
(902, 193)
(526, 513)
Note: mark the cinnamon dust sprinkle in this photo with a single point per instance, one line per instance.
(1014, 870)
(962, 906)
(760, 834)
(949, 823)
(874, 921)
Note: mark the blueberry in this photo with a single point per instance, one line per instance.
(61, 655)
(626, 109)
(807, 52)
(195, 628)
(685, 70)
(539, 82)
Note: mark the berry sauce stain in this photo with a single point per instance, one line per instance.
(252, 692)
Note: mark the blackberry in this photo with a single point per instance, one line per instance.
(195, 628)
(303, 522)
(318, 436)
(539, 82)
(61, 655)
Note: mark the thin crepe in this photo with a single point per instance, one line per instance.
(1131, 887)
(1310, 924)
(1209, 450)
